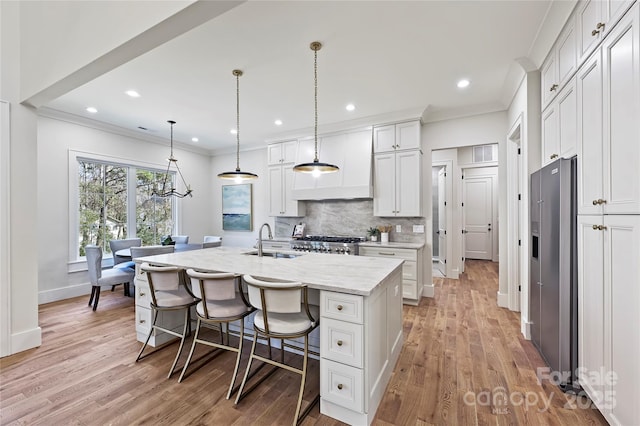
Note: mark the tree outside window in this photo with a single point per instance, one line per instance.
(154, 215)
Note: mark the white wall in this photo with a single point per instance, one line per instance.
(254, 161)
(55, 139)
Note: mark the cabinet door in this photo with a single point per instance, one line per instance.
(305, 154)
(289, 152)
(567, 119)
(291, 207)
(622, 316)
(589, 16)
(408, 135)
(549, 81)
(613, 11)
(276, 204)
(566, 52)
(589, 82)
(384, 138)
(591, 306)
(408, 183)
(384, 185)
(274, 154)
(621, 76)
(550, 143)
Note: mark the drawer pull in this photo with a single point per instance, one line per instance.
(142, 294)
(340, 386)
(339, 307)
(386, 253)
(142, 321)
(339, 342)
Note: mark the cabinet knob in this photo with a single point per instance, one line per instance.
(552, 156)
(141, 294)
(339, 307)
(553, 87)
(599, 201)
(598, 28)
(339, 343)
(142, 321)
(598, 227)
(340, 386)
(594, 227)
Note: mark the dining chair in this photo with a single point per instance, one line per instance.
(123, 262)
(222, 302)
(212, 239)
(168, 293)
(284, 313)
(180, 239)
(108, 277)
(137, 252)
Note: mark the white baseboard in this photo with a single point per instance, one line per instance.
(525, 328)
(428, 290)
(62, 293)
(503, 300)
(26, 340)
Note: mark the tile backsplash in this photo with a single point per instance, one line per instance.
(348, 218)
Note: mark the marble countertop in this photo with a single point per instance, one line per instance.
(392, 245)
(358, 275)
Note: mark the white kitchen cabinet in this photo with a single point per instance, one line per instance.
(398, 184)
(280, 187)
(608, 131)
(282, 153)
(560, 64)
(608, 297)
(594, 20)
(394, 137)
(412, 277)
(559, 125)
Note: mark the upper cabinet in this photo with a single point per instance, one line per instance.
(559, 125)
(395, 137)
(560, 64)
(608, 130)
(282, 153)
(594, 19)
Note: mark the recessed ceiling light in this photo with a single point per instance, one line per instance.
(234, 131)
(350, 107)
(92, 110)
(194, 139)
(463, 83)
(132, 93)
(278, 122)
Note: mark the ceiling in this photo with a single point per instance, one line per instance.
(382, 56)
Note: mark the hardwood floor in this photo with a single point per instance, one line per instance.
(464, 362)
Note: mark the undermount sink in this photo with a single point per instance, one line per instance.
(274, 255)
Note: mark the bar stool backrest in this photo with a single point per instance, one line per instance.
(213, 285)
(162, 278)
(275, 296)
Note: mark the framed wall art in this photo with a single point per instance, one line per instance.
(236, 207)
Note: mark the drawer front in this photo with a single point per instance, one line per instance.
(341, 341)
(143, 319)
(409, 271)
(409, 289)
(140, 276)
(399, 253)
(342, 385)
(142, 294)
(343, 307)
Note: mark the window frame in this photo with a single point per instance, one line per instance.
(76, 262)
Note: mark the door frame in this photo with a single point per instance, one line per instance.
(495, 240)
(448, 167)
(516, 244)
(5, 231)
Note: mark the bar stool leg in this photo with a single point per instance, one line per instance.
(187, 326)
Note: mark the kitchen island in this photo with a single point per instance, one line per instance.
(360, 302)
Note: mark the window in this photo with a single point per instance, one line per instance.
(116, 201)
(483, 153)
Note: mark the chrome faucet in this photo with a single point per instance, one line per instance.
(260, 237)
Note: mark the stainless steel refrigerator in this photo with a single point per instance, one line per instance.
(554, 282)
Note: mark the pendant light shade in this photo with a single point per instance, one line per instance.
(237, 175)
(315, 167)
(168, 189)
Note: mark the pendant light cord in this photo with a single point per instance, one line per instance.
(315, 98)
(238, 74)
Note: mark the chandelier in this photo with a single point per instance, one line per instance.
(237, 175)
(316, 168)
(168, 188)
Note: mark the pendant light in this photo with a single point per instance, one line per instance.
(316, 168)
(237, 175)
(168, 189)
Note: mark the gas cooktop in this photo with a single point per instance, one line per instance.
(332, 239)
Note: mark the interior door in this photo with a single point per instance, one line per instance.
(478, 214)
(442, 221)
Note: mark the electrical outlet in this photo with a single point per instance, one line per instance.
(418, 229)
(398, 228)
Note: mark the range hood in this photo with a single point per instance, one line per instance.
(351, 152)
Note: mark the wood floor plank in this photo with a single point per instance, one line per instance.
(461, 352)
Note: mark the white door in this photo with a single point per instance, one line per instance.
(442, 221)
(478, 214)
